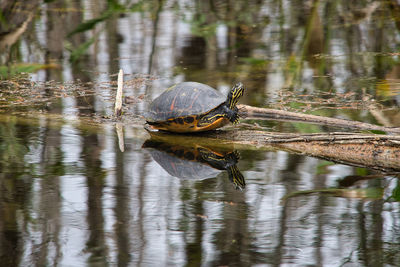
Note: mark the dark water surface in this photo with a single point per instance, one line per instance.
(70, 197)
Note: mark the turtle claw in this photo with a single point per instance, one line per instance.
(236, 154)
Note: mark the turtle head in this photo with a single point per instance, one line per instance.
(231, 110)
(234, 95)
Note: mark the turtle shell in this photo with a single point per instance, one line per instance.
(183, 100)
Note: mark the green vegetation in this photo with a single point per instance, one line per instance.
(7, 72)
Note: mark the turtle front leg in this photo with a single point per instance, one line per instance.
(232, 114)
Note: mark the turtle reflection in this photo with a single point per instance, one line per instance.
(195, 162)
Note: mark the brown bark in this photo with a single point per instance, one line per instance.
(379, 152)
(249, 112)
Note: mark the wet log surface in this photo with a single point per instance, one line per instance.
(249, 112)
(379, 152)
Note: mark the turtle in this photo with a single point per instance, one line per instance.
(193, 107)
(195, 162)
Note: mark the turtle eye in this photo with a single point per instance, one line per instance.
(239, 85)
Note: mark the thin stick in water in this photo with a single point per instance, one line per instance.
(118, 98)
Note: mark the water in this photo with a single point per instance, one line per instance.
(70, 197)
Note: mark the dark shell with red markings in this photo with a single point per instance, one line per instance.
(183, 101)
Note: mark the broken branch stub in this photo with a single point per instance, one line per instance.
(118, 98)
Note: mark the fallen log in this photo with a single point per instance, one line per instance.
(249, 112)
(378, 152)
